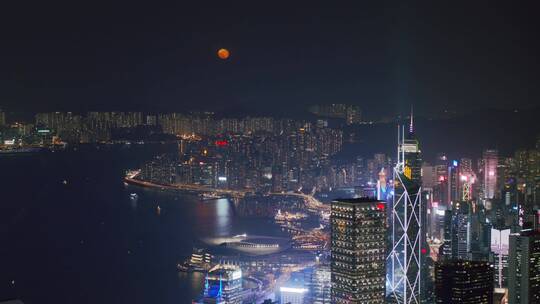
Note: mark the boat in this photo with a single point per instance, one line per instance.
(199, 261)
(133, 196)
(183, 267)
(187, 267)
(209, 196)
(23, 150)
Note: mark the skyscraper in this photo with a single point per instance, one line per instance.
(440, 189)
(358, 231)
(524, 268)
(465, 166)
(223, 284)
(490, 160)
(408, 240)
(499, 255)
(321, 285)
(463, 282)
(453, 182)
(460, 231)
(466, 179)
(381, 185)
(445, 251)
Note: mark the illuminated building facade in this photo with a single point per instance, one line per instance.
(160, 170)
(381, 185)
(490, 162)
(465, 166)
(292, 295)
(499, 255)
(460, 231)
(407, 214)
(295, 290)
(445, 251)
(358, 233)
(200, 258)
(223, 285)
(463, 282)
(524, 268)
(321, 285)
(440, 188)
(436, 219)
(453, 182)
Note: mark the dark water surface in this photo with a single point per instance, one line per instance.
(86, 241)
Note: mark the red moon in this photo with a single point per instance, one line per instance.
(223, 54)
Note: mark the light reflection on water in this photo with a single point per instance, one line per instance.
(223, 217)
(195, 280)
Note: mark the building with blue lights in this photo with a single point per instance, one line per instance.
(223, 285)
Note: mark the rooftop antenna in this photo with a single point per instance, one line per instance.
(402, 150)
(399, 142)
(411, 126)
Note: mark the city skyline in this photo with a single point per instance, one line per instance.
(444, 213)
(466, 136)
(259, 153)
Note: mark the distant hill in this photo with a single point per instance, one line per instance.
(461, 136)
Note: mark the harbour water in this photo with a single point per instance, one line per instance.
(70, 232)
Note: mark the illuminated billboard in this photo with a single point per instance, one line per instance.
(500, 240)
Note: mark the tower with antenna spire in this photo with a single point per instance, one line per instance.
(407, 213)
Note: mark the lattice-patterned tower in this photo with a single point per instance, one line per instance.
(407, 213)
(466, 192)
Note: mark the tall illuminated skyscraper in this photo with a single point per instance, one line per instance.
(381, 185)
(490, 160)
(358, 231)
(453, 182)
(499, 255)
(524, 268)
(460, 231)
(407, 213)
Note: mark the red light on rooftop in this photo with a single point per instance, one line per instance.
(380, 206)
(221, 143)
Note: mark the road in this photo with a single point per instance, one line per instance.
(311, 202)
(131, 179)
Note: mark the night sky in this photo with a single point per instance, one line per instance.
(162, 57)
